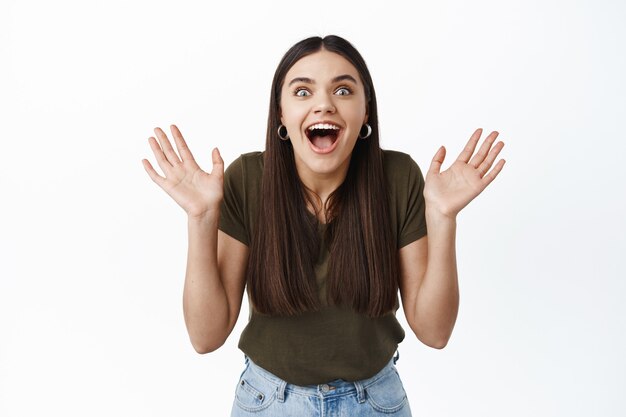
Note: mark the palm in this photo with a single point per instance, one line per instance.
(192, 188)
(451, 190)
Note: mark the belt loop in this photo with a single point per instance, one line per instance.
(360, 392)
(395, 358)
(281, 391)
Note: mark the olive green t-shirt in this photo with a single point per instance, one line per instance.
(335, 342)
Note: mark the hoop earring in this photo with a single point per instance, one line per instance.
(369, 131)
(286, 137)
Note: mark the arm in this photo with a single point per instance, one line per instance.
(215, 277)
(428, 272)
(429, 282)
(214, 283)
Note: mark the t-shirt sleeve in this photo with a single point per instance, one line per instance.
(232, 211)
(414, 224)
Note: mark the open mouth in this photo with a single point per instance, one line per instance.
(323, 136)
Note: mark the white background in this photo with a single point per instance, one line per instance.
(93, 252)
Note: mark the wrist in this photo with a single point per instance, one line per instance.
(438, 219)
(208, 217)
(439, 215)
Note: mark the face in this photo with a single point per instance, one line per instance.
(323, 107)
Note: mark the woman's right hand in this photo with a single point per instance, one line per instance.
(193, 189)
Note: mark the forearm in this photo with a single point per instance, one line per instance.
(205, 304)
(438, 296)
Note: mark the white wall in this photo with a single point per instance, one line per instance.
(92, 253)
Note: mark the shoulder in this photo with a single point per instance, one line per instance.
(243, 175)
(248, 160)
(254, 156)
(245, 166)
(242, 180)
(390, 155)
(400, 166)
(405, 186)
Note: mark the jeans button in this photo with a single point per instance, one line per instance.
(325, 387)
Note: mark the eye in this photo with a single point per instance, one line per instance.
(345, 91)
(301, 90)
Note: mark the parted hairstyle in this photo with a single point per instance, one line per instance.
(363, 264)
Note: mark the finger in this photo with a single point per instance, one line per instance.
(486, 164)
(218, 164)
(160, 156)
(167, 147)
(435, 165)
(467, 152)
(484, 150)
(152, 173)
(493, 173)
(181, 145)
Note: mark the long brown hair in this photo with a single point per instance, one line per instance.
(363, 264)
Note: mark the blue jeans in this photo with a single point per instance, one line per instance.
(263, 394)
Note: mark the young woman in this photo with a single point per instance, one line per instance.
(324, 227)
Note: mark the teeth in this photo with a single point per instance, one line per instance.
(323, 126)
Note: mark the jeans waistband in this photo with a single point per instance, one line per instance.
(337, 387)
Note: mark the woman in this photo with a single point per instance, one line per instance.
(324, 227)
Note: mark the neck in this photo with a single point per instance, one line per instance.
(320, 186)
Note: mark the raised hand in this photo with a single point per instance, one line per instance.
(193, 189)
(449, 191)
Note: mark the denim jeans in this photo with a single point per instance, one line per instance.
(263, 394)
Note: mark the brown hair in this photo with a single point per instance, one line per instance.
(363, 264)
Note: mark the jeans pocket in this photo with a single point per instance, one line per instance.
(254, 393)
(387, 393)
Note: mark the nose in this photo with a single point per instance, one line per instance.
(324, 104)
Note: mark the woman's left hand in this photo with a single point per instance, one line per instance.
(449, 191)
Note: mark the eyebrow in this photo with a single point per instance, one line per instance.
(334, 80)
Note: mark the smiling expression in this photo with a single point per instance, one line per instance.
(323, 107)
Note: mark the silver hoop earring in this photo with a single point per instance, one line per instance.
(286, 136)
(369, 131)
